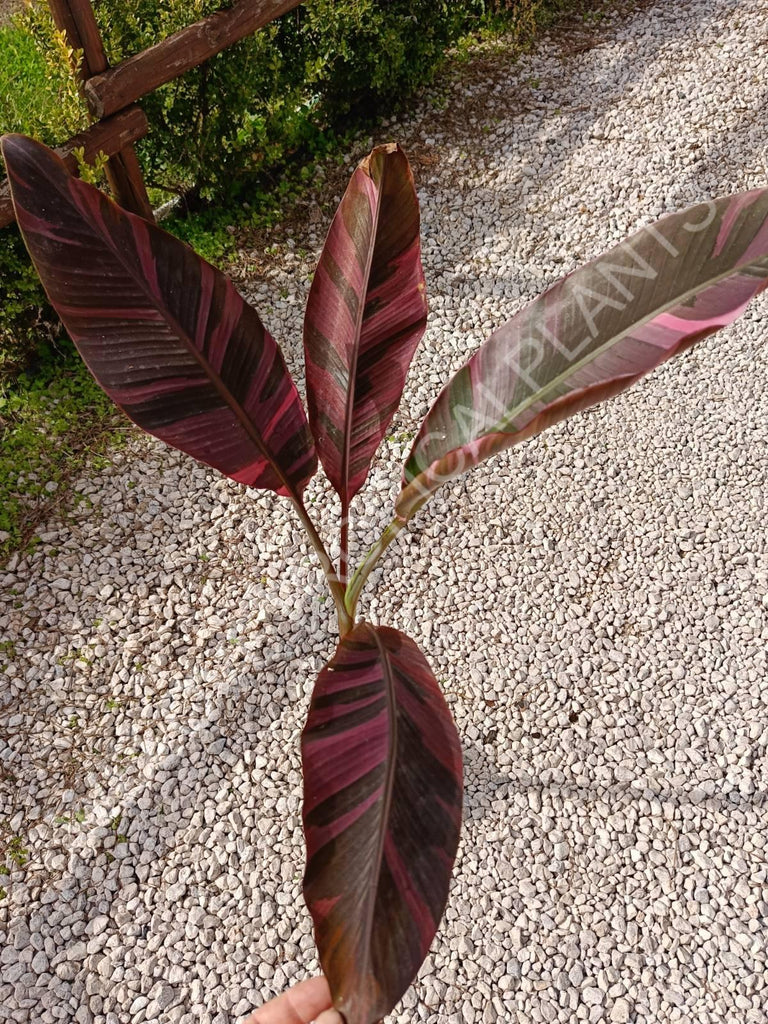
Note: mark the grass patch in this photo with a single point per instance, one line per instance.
(39, 94)
(27, 97)
(52, 420)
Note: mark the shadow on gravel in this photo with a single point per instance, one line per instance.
(471, 113)
(618, 795)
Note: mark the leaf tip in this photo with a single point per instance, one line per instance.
(372, 162)
(12, 144)
(25, 157)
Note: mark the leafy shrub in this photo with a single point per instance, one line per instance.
(294, 85)
(190, 361)
(39, 97)
(47, 417)
(24, 309)
(344, 45)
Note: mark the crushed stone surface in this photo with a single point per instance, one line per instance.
(594, 604)
(8, 8)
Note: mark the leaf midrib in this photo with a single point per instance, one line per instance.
(501, 426)
(388, 788)
(350, 407)
(615, 340)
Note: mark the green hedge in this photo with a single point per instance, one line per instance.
(318, 69)
(291, 88)
(39, 97)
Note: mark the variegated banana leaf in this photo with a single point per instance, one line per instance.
(382, 812)
(594, 334)
(366, 312)
(163, 332)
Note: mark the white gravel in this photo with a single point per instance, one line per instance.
(594, 602)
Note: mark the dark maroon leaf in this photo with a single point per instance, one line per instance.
(163, 332)
(366, 312)
(382, 813)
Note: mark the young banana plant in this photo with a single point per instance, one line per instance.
(187, 359)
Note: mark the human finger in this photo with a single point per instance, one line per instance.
(306, 1002)
(330, 1017)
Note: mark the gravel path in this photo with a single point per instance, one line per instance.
(594, 602)
(9, 8)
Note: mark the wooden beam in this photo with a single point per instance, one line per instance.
(65, 22)
(77, 19)
(109, 136)
(136, 76)
(127, 182)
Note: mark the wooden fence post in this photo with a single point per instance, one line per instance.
(76, 19)
(111, 92)
(135, 76)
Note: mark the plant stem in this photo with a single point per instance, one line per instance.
(346, 621)
(365, 568)
(344, 554)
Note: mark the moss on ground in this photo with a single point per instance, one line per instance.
(53, 420)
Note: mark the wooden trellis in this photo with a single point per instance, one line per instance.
(111, 92)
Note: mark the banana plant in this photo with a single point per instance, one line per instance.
(187, 359)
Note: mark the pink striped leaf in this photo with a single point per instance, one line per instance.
(164, 333)
(366, 312)
(382, 812)
(594, 334)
